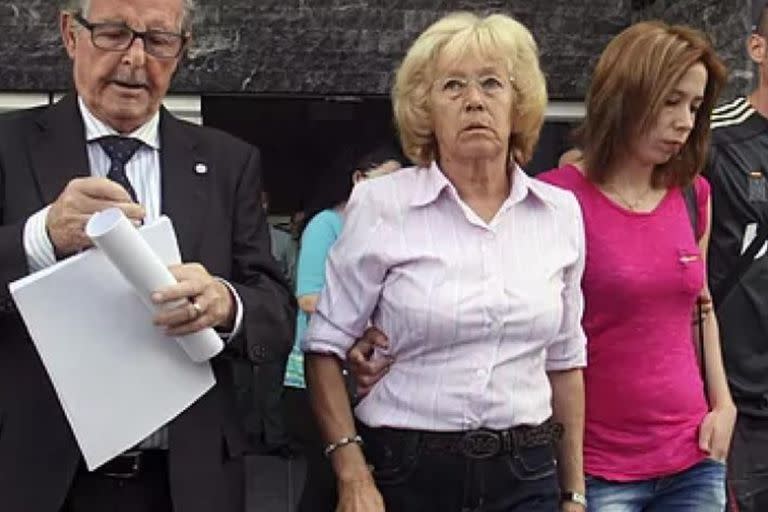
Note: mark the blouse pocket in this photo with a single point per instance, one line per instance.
(533, 463)
(690, 269)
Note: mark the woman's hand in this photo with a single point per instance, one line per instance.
(569, 506)
(359, 495)
(715, 431)
(366, 370)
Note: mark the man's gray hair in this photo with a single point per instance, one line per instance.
(188, 15)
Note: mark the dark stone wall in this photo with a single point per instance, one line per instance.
(324, 47)
(726, 21)
(340, 47)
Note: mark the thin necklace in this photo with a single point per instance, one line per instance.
(632, 205)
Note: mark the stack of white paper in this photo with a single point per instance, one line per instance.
(117, 376)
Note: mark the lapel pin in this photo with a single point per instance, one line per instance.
(201, 168)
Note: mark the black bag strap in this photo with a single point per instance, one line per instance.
(692, 205)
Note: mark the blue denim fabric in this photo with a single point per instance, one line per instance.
(412, 479)
(700, 488)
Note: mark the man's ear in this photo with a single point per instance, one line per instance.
(756, 48)
(68, 36)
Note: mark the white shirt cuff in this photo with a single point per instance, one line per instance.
(226, 336)
(37, 245)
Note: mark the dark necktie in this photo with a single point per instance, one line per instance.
(120, 150)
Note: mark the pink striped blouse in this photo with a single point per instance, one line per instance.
(475, 312)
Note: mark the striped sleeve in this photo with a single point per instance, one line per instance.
(729, 114)
(37, 245)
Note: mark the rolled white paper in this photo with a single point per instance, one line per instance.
(112, 232)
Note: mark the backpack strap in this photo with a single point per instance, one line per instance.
(692, 205)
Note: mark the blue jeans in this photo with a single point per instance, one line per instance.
(412, 478)
(700, 488)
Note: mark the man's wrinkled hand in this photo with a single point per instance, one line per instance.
(81, 198)
(196, 302)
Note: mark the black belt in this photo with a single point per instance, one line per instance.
(482, 443)
(134, 463)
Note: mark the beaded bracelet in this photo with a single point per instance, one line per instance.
(344, 441)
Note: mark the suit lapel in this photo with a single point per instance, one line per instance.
(58, 154)
(184, 189)
(57, 148)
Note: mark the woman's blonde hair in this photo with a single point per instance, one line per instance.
(496, 37)
(636, 73)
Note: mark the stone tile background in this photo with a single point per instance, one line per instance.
(350, 47)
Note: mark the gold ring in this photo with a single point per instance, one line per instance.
(198, 309)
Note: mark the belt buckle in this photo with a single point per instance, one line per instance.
(134, 459)
(480, 444)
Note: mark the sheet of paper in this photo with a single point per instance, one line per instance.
(112, 232)
(117, 376)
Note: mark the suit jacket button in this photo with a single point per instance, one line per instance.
(257, 352)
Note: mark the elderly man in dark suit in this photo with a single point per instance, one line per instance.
(111, 143)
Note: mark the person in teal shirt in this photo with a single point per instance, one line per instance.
(316, 241)
(319, 235)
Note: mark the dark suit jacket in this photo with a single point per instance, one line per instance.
(219, 222)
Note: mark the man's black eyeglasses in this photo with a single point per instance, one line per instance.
(118, 37)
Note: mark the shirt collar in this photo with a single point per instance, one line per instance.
(432, 183)
(148, 133)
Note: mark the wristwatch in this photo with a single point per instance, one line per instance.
(575, 497)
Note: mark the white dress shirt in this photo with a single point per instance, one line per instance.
(476, 313)
(143, 171)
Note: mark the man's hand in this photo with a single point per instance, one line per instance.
(202, 301)
(81, 198)
(715, 431)
(366, 370)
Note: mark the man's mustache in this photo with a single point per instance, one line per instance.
(130, 80)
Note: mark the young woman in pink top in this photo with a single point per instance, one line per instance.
(653, 442)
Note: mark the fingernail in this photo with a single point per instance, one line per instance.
(157, 297)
